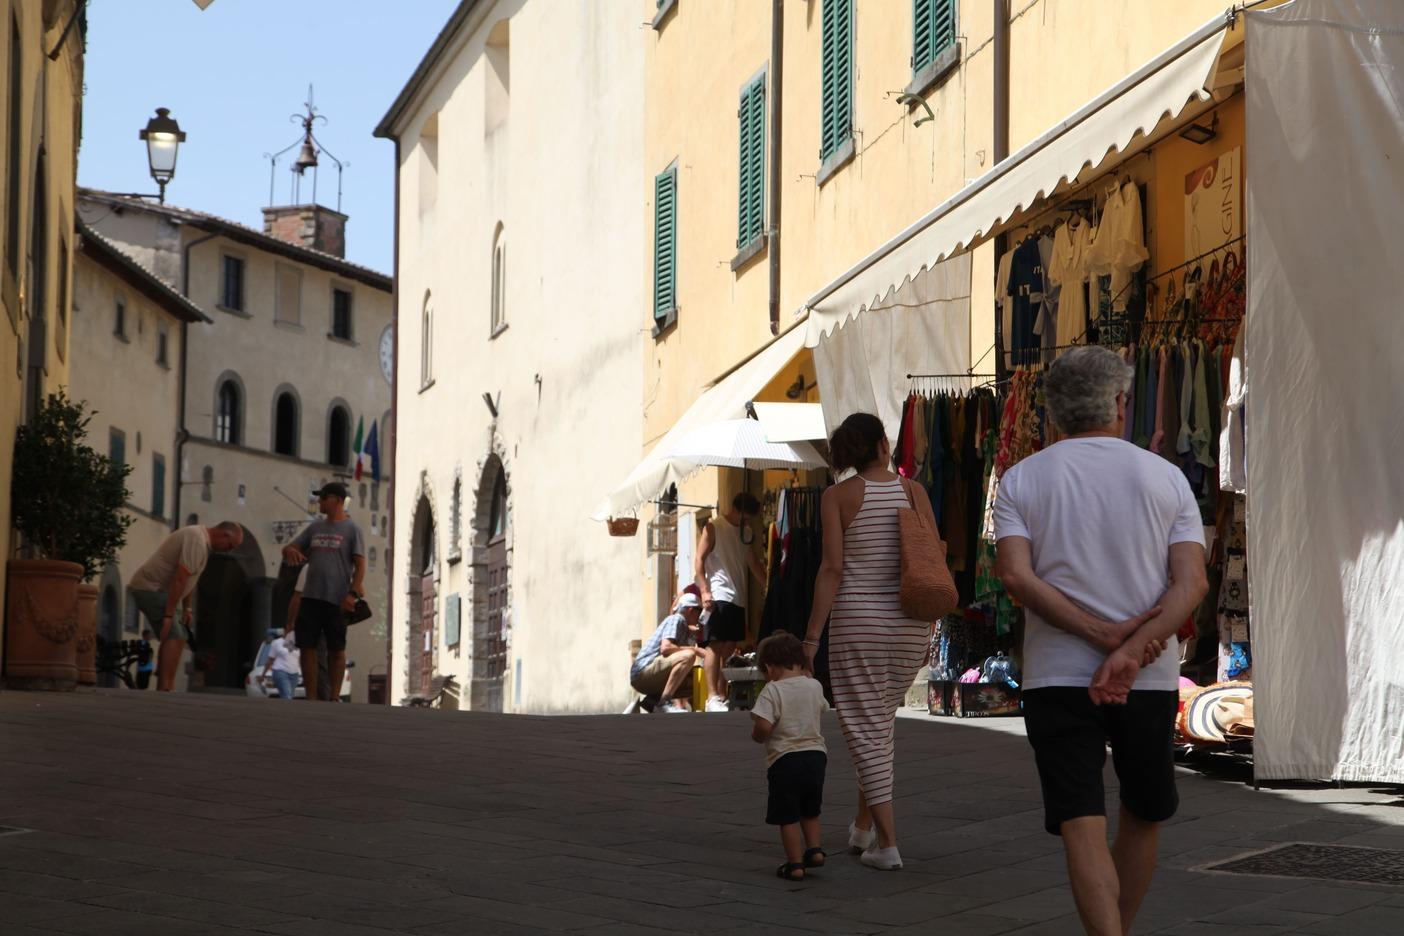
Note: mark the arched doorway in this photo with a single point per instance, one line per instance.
(492, 562)
(423, 599)
(233, 611)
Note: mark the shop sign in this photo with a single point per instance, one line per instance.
(1214, 203)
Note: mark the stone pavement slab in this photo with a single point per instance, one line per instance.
(215, 815)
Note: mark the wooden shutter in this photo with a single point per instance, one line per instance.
(933, 30)
(751, 132)
(665, 235)
(836, 119)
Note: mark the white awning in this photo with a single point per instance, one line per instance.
(791, 422)
(1123, 119)
(726, 399)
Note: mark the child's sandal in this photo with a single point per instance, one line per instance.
(815, 858)
(788, 870)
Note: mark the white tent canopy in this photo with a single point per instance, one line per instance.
(726, 399)
(1323, 346)
(741, 443)
(1122, 120)
(791, 422)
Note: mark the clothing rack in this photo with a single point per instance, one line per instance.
(1182, 266)
(945, 376)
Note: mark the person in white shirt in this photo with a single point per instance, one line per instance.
(785, 719)
(724, 556)
(1102, 543)
(284, 664)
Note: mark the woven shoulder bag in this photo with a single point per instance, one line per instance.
(928, 591)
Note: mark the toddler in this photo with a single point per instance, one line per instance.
(785, 719)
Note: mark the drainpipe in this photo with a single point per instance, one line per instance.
(182, 433)
(1000, 145)
(395, 424)
(777, 71)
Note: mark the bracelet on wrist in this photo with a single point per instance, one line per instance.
(813, 643)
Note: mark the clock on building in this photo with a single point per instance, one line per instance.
(387, 354)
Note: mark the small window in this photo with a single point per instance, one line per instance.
(207, 484)
(665, 242)
(499, 281)
(163, 347)
(836, 77)
(287, 306)
(229, 413)
(63, 274)
(933, 30)
(339, 437)
(119, 325)
(158, 485)
(426, 344)
(341, 314)
(751, 132)
(232, 296)
(117, 446)
(497, 527)
(285, 424)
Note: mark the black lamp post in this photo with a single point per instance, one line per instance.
(163, 137)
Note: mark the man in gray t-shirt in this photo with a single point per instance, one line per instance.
(334, 550)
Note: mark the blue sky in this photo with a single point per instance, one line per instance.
(231, 75)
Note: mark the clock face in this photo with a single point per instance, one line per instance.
(387, 354)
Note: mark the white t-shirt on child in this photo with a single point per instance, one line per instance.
(1101, 516)
(792, 705)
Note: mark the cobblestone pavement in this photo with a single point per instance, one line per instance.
(216, 816)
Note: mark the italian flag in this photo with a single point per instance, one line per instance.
(359, 446)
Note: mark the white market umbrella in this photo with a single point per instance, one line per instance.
(741, 443)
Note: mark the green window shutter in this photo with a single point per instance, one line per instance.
(836, 63)
(933, 30)
(751, 188)
(665, 243)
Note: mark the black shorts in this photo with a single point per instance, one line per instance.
(727, 623)
(796, 787)
(316, 619)
(1069, 735)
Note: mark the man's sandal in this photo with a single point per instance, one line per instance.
(815, 858)
(788, 870)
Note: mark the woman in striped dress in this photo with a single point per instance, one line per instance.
(874, 649)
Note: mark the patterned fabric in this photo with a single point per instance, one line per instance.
(874, 650)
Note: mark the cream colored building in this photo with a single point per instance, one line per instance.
(39, 137)
(128, 344)
(276, 386)
(887, 110)
(519, 141)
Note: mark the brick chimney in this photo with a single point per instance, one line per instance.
(308, 226)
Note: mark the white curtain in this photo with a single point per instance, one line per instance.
(922, 328)
(1324, 340)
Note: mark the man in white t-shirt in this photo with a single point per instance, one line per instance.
(167, 580)
(283, 663)
(1102, 544)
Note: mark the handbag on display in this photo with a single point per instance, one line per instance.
(927, 591)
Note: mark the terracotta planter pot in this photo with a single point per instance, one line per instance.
(41, 624)
(85, 642)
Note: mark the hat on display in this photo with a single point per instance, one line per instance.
(1215, 713)
(333, 489)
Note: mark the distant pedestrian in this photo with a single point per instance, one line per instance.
(166, 582)
(145, 658)
(334, 549)
(723, 558)
(283, 664)
(785, 719)
(670, 654)
(1103, 545)
(875, 650)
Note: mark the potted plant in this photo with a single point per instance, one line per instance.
(66, 501)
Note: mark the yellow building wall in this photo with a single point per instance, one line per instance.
(50, 98)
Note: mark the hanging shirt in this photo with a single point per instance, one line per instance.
(1120, 246)
(1004, 303)
(1025, 291)
(1233, 449)
(1068, 269)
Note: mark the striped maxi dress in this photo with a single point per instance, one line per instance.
(874, 649)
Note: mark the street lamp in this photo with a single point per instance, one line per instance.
(163, 137)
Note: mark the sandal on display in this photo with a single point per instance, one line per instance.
(790, 871)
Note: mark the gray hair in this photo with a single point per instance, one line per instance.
(1081, 387)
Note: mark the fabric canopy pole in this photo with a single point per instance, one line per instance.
(1323, 347)
(922, 328)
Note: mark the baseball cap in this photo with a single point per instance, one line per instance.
(687, 600)
(334, 489)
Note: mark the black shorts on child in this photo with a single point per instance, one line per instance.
(796, 787)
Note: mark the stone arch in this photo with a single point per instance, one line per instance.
(421, 589)
(338, 437)
(491, 565)
(234, 609)
(229, 427)
(286, 421)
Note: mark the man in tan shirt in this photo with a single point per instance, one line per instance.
(167, 580)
